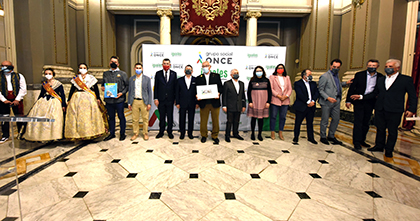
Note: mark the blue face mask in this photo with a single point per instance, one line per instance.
(139, 71)
(235, 76)
(259, 73)
(205, 70)
(5, 69)
(389, 71)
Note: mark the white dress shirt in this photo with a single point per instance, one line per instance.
(188, 81)
(138, 82)
(236, 84)
(282, 85)
(308, 89)
(390, 80)
(22, 87)
(207, 76)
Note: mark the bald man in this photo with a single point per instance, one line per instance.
(209, 105)
(12, 91)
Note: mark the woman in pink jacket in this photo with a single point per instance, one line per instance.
(281, 90)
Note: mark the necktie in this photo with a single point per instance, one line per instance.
(166, 76)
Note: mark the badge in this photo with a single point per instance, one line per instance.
(257, 84)
(118, 75)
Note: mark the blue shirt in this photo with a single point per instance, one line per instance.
(337, 83)
(370, 82)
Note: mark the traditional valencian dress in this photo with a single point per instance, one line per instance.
(50, 105)
(85, 119)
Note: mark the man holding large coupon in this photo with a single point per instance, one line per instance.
(209, 89)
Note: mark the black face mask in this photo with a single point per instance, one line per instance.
(113, 65)
(371, 70)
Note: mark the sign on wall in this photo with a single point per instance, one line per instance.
(222, 60)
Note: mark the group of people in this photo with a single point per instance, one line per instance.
(84, 116)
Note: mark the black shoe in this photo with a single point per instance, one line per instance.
(252, 136)
(238, 137)
(334, 141)
(171, 136)
(295, 141)
(324, 141)
(364, 144)
(376, 149)
(109, 137)
(122, 137)
(357, 146)
(182, 136)
(313, 141)
(227, 139)
(190, 136)
(159, 135)
(388, 154)
(215, 140)
(260, 138)
(203, 139)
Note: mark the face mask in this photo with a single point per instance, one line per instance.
(48, 76)
(389, 71)
(166, 67)
(113, 65)
(205, 70)
(188, 72)
(335, 70)
(139, 71)
(259, 73)
(3, 68)
(7, 69)
(83, 71)
(309, 78)
(280, 71)
(235, 76)
(371, 70)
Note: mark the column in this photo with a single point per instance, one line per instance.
(410, 37)
(165, 26)
(251, 27)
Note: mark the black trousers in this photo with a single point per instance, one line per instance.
(166, 111)
(308, 114)
(5, 126)
(387, 120)
(362, 115)
(233, 119)
(182, 118)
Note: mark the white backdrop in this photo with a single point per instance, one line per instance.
(222, 59)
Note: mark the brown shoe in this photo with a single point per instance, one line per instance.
(273, 136)
(145, 137)
(134, 137)
(281, 135)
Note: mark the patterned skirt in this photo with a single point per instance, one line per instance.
(45, 131)
(83, 118)
(259, 99)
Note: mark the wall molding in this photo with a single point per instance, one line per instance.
(364, 37)
(65, 34)
(88, 34)
(328, 36)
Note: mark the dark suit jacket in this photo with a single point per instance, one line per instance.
(302, 95)
(232, 100)
(186, 97)
(359, 86)
(214, 79)
(392, 100)
(165, 91)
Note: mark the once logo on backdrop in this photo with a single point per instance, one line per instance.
(252, 55)
(250, 67)
(219, 58)
(156, 65)
(157, 54)
(179, 66)
(176, 54)
(268, 67)
(200, 59)
(272, 56)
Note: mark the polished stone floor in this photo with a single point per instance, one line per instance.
(163, 179)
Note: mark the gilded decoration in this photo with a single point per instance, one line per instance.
(210, 8)
(210, 17)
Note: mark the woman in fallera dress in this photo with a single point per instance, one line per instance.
(259, 98)
(50, 104)
(84, 117)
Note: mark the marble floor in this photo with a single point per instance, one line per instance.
(164, 179)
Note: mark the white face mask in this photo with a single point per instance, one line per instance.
(83, 71)
(48, 76)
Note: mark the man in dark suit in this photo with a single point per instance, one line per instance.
(233, 100)
(363, 98)
(209, 105)
(390, 105)
(186, 101)
(164, 95)
(305, 105)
